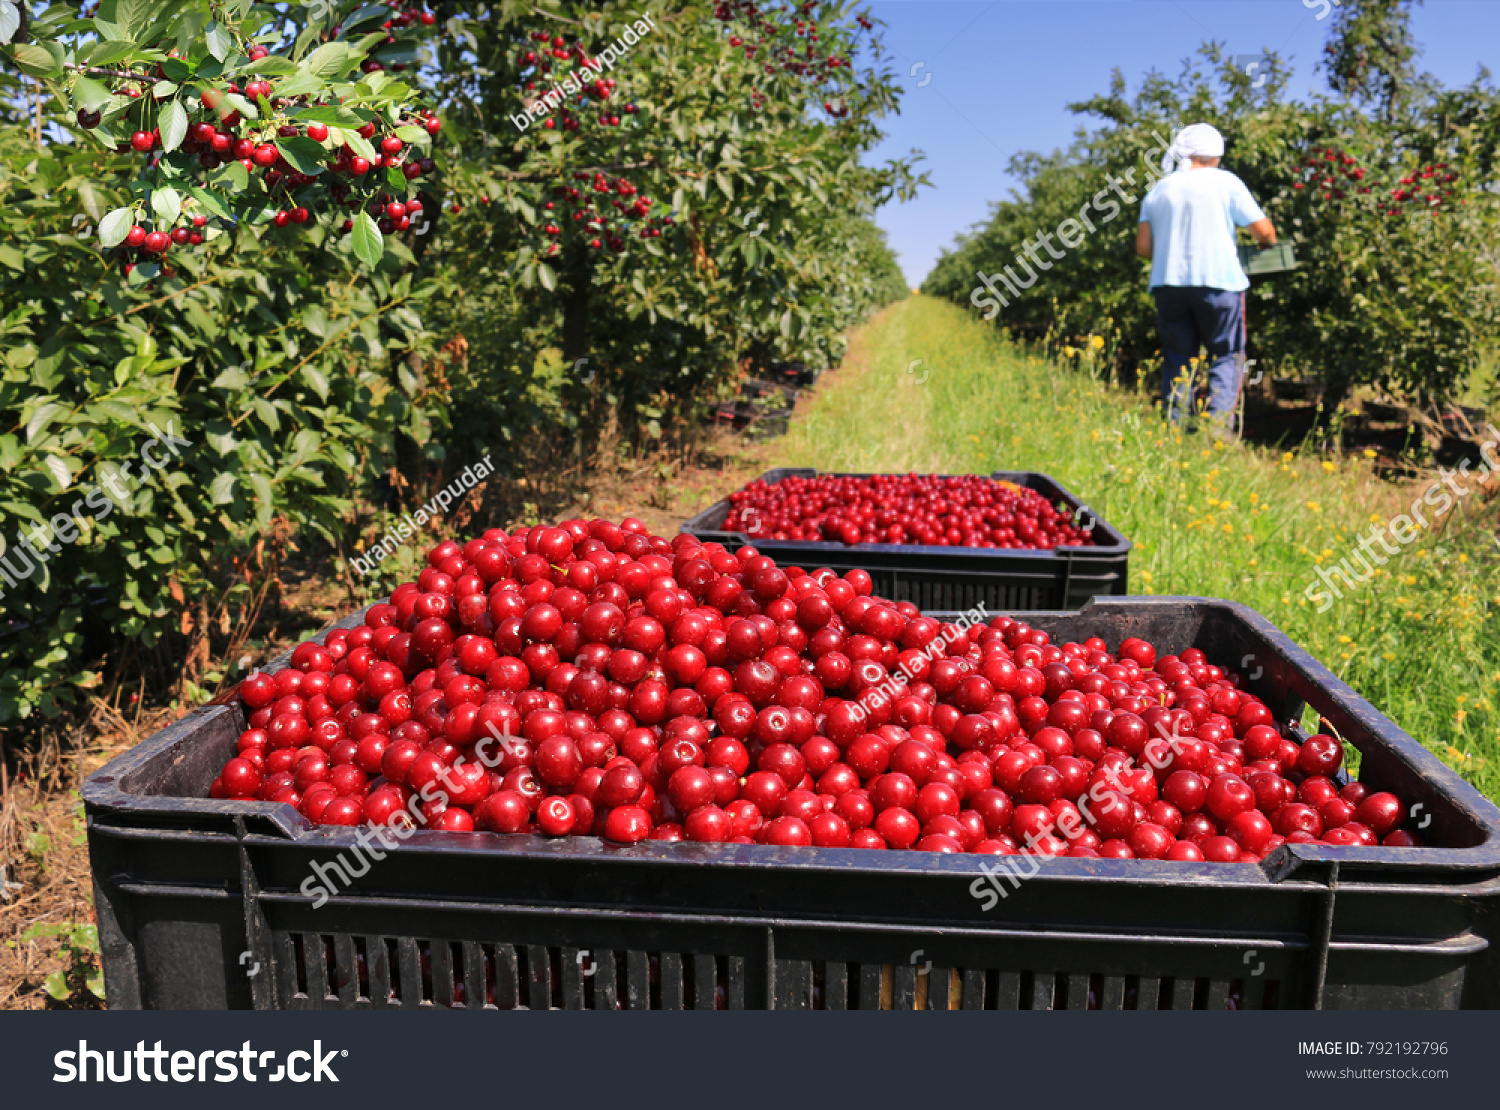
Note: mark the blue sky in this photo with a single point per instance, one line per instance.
(998, 77)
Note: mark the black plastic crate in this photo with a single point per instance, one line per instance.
(780, 396)
(201, 903)
(755, 420)
(792, 373)
(959, 578)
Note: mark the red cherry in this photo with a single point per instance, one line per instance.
(505, 811)
(1320, 755)
(556, 817)
(627, 824)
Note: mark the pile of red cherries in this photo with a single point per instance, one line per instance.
(591, 679)
(926, 509)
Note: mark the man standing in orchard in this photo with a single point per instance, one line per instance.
(1187, 230)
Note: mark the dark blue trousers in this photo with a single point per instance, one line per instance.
(1193, 316)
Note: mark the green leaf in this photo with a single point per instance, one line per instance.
(237, 176)
(273, 65)
(355, 141)
(335, 115)
(303, 154)
(58, 467)
(300, 84)
(233, 378)
(173, 125)
(547, 276)
(267, 413)
(93, 204)
(35, 59)
(368, 243)
(220, 42)
(132, 16)
(314, 319)
(410, 134)
(167, 204)
(56, 985)
(317, 381)
(332, 59)
(316, 25)
(10, 19)
(221, 489)
(115, 226)
(40, 419)
(110, 51)
(725, 185)
(365, 15)
(211, 203)
(395, 179)
(267, 503)
(88, 93)
(240, 104)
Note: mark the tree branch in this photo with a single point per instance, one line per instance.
(616, 168)
(121, 74)
(554, 15)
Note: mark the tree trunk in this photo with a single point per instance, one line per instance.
(1335, 390)
(577, 279)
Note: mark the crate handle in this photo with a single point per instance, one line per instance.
(257, 929)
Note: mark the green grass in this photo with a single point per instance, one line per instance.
(1211, 519)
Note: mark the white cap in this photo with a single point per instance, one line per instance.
(1200, 140)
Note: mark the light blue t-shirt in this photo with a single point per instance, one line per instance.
(1193, 214)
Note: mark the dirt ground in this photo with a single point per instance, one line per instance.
(48, 948)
